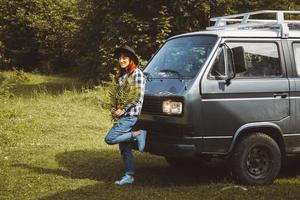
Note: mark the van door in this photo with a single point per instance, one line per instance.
(293, 140)
(258, 93)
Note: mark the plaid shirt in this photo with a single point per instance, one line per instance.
(135, 108)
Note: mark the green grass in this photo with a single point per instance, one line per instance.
(52, 148)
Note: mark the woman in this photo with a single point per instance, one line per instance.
(121, 132)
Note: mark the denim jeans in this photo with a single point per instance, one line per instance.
(121, 134)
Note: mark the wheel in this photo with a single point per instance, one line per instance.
(256, 160)
(184, 161)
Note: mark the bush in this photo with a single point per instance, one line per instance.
(10, 80)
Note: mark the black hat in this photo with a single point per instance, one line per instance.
(128, 50)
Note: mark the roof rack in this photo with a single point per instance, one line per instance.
(242, 21)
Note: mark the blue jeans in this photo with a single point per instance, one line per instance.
(121, 134)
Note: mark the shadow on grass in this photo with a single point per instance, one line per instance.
(107, 166)
(292, 167)
(151, 173)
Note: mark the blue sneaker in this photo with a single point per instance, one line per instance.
(141, 140)
(125, 180)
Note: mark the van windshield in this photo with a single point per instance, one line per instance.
(181, 57)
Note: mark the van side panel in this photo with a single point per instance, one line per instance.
(227, 107)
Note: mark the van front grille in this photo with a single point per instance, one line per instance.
(162, 129)
(152, 105)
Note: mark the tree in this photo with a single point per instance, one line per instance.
(37, 33)
(80, 35)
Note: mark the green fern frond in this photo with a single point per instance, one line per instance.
(118, 96)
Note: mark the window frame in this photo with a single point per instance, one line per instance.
(223, 48)
(297, 73)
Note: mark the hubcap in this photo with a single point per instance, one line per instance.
(258, 161)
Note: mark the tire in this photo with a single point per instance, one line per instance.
(256, 160)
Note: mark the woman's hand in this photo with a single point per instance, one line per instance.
(117, 112)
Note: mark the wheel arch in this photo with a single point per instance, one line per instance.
(268, 128)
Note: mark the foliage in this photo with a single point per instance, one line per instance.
(79, 36)
(118, 95)
(37, 33)
(11, 80)
(163, 25)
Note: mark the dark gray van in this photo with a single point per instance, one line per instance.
(231, 91)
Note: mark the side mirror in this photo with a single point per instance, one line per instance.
(239, 59)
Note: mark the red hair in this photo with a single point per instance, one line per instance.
(129, 69)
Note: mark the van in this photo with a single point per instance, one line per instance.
(231, 91)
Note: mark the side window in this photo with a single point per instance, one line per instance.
(260, 60)
(218, 68)
(296, 47)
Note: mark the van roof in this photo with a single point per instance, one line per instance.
(267, 33)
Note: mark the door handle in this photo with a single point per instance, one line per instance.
(281, 95)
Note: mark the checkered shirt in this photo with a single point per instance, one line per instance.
(135, 108)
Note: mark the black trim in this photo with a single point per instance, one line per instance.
(191, 35)
(292, 58)
(295, 94)
(238, 95)
(292, 143)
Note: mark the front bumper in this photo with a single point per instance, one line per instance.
(172, 147)
(168, 137)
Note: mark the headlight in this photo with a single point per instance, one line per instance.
(172, 107)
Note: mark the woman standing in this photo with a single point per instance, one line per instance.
(121, 132)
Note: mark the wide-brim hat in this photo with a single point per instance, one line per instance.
(129, 51)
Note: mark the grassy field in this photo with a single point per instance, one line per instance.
(51, 137)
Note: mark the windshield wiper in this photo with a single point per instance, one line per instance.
(172, 71)
(148, 76)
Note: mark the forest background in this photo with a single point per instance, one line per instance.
(77, 37)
